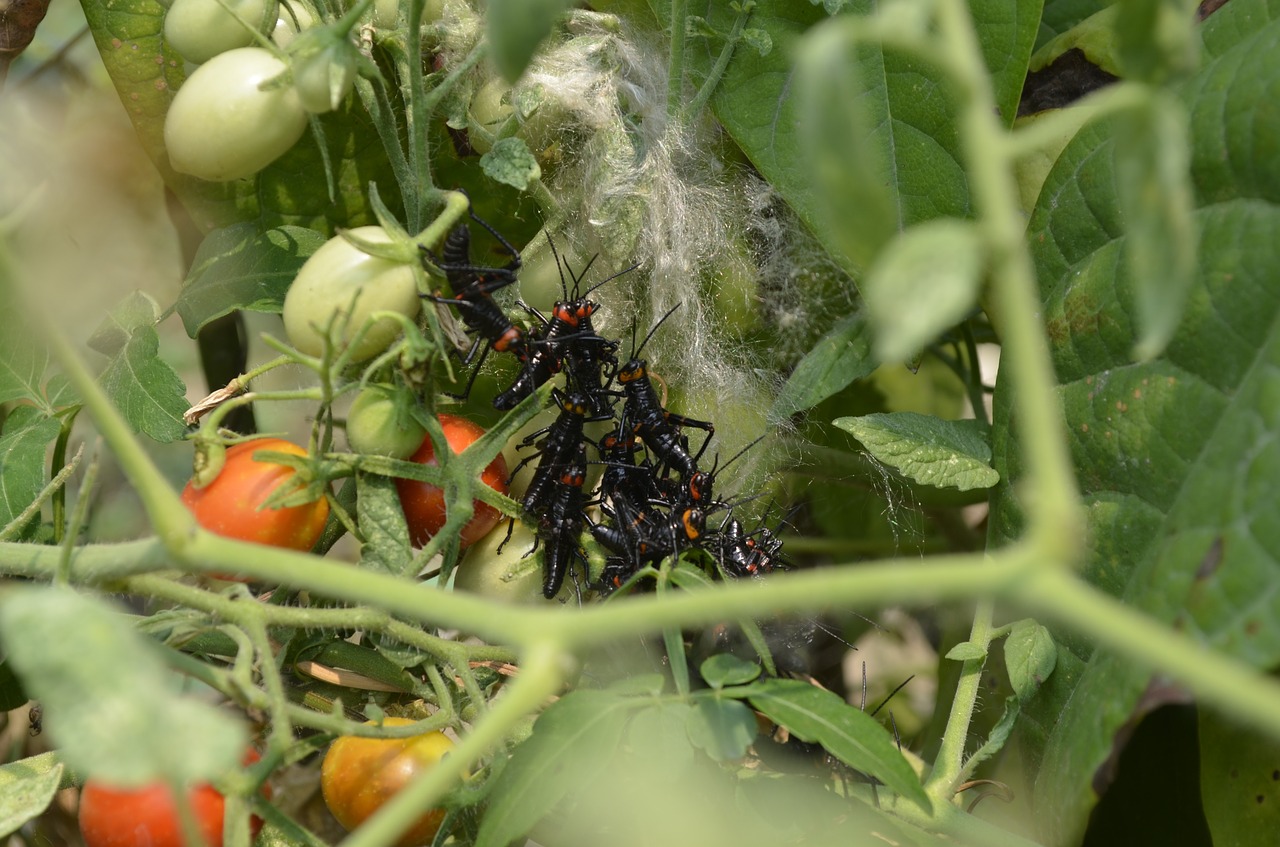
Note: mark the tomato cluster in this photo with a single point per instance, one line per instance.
(244, 106)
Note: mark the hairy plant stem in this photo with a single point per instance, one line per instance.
(941, 782)
(675, 62)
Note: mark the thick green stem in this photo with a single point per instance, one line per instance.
(947, 766)
(1015, 298)
(1218, 680)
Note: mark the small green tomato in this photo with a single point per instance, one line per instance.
(224, 125)
(341, 287)
(381, 423)
(201, 29)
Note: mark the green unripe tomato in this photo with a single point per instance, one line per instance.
(489, 110)
(341, 286)
(508, 576)
(293, 18)
(201, 29)
(222, 125)
(324, 69)
(381, 422)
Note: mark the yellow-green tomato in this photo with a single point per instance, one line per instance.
(339, 288)
(201, 29)
(360, 775)
(381, 423)
(222, 125)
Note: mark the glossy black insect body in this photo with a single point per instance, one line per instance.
(560, 527)
(641, 536)
(472, 288)
(558, 446)
(568, 340)
(658, 428)
(743, 554)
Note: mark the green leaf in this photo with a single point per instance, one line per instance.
(853, 204)
(851, 735)
(107, 695)
(658, 734)
(926, 449)
(1007, 34)
(1238, 784)
(26, 437)
(243, 267)
(143, 386)
(727, 669)
(854, 176)
(966, 651)
(386, 545)
(923, 282)
(572, 742)
(23, 358)
(722, 728)
(1029, 657)
(840, 357)
(511, 163)
(1059, 16)
(1170, 455)
(27, 787)
(516, 28)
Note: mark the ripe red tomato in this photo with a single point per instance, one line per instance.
(359, 775)
(423, 504)
(229, 504)
(148, 817)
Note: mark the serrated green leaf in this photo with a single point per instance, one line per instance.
(727, 669)
(721, 728)
(386, 545)
(107, 695)
(146, 389)
(26, 437)
(516, 28)
(1029, 657)
(137, 311)
(966, 651)
(926, 449)
(23, 358)
(1169, 454)
(572, 741)
(923, 282)
(840, 357)
(26, 790)
(510, 162)
(242, 267)
(851, 735)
